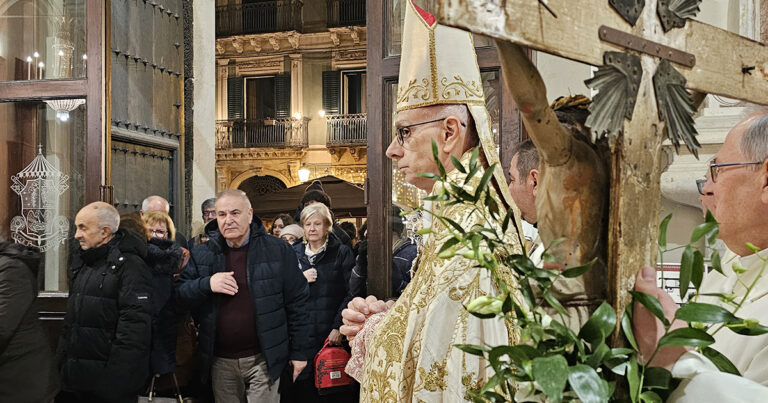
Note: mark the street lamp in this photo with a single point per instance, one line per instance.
(303, 174)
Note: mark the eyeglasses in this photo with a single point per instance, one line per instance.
(700, 185)
(402, 133)
(209, 213)
(158, 232)
(714, 169)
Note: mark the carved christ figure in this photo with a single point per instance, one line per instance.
(573, 191)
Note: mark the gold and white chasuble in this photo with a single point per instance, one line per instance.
(411, 356)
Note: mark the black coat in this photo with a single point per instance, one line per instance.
(163, 258)
(105, 344)
(27, 372)
(328, 295)
(278, 289)
(405, 252)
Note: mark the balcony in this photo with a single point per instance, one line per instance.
(278, 133)
(344, 13)
(258, 18)
(346, 130)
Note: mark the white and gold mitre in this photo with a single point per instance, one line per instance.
(438, 65)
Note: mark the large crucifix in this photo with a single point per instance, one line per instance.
(659, 51)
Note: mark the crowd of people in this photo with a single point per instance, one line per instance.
(235, 313)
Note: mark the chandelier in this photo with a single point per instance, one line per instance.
(64, 106)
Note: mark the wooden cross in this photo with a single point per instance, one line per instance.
(713, 61)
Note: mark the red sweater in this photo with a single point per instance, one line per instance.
(236, 329)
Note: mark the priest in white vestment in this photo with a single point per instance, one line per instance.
(738, 190)
(407, 354)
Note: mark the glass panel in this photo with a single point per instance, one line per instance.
(393, 28)
(42, 40)
(42, 180)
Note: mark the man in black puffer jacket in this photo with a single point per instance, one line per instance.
(249, 299)
(104, 347)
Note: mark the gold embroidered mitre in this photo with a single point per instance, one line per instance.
(438, 65)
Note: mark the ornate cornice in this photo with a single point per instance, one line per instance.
(270, 154)
(291, 42)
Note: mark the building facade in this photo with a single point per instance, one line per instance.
(290, 93)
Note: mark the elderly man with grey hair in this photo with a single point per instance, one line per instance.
(249, 299)
(158, 203)
(104, 347)
(738, 185)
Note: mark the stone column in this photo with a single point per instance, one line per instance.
(297, 100)
(222, 73)
(204, 112)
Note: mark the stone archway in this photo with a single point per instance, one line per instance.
(234, 183)
(260, 187)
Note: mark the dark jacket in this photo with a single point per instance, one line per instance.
(328, 294)
(163, 258)
(105, 343)
(404, 253)
(402, 259)
(278, 289)
(27, 372)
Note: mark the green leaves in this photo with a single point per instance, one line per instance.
(578, 270)
(599, 326)
(706, 313)
(657, 378)
(626, 327)
(436, 156)
(588, 385)
(663, 231)
(747, 327)
(686, 267)
(551, 373)
(686, 336)
(722, 362)
(704, 229)
(652, 304)
(471, 349)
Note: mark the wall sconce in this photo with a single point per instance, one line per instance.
(303, 174)
(321, 113)
(297, 115)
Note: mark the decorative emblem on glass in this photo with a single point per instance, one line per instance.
(39, 186)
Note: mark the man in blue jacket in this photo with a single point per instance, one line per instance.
(249, 298)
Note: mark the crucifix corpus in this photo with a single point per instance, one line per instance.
(647, 52)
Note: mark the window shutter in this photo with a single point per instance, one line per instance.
(332, 92)
(235, 98)
(283, 96)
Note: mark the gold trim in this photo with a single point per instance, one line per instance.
(433, 63)
(445, 102)
(470, 90)
(403, 93)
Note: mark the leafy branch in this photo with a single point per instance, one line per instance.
(553, 362)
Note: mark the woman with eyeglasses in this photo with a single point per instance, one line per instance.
(166, 259)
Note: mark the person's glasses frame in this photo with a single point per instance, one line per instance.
(209, 213)
(158, 232)
(714, 168)
(700, 185)
(402, 133)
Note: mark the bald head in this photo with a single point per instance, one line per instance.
(155, 203)
(96, 224)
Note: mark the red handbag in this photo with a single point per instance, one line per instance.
(329, 369)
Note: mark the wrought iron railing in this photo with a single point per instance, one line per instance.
(281, 133)
(258, 18)
(345, 130)
(344, 13)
